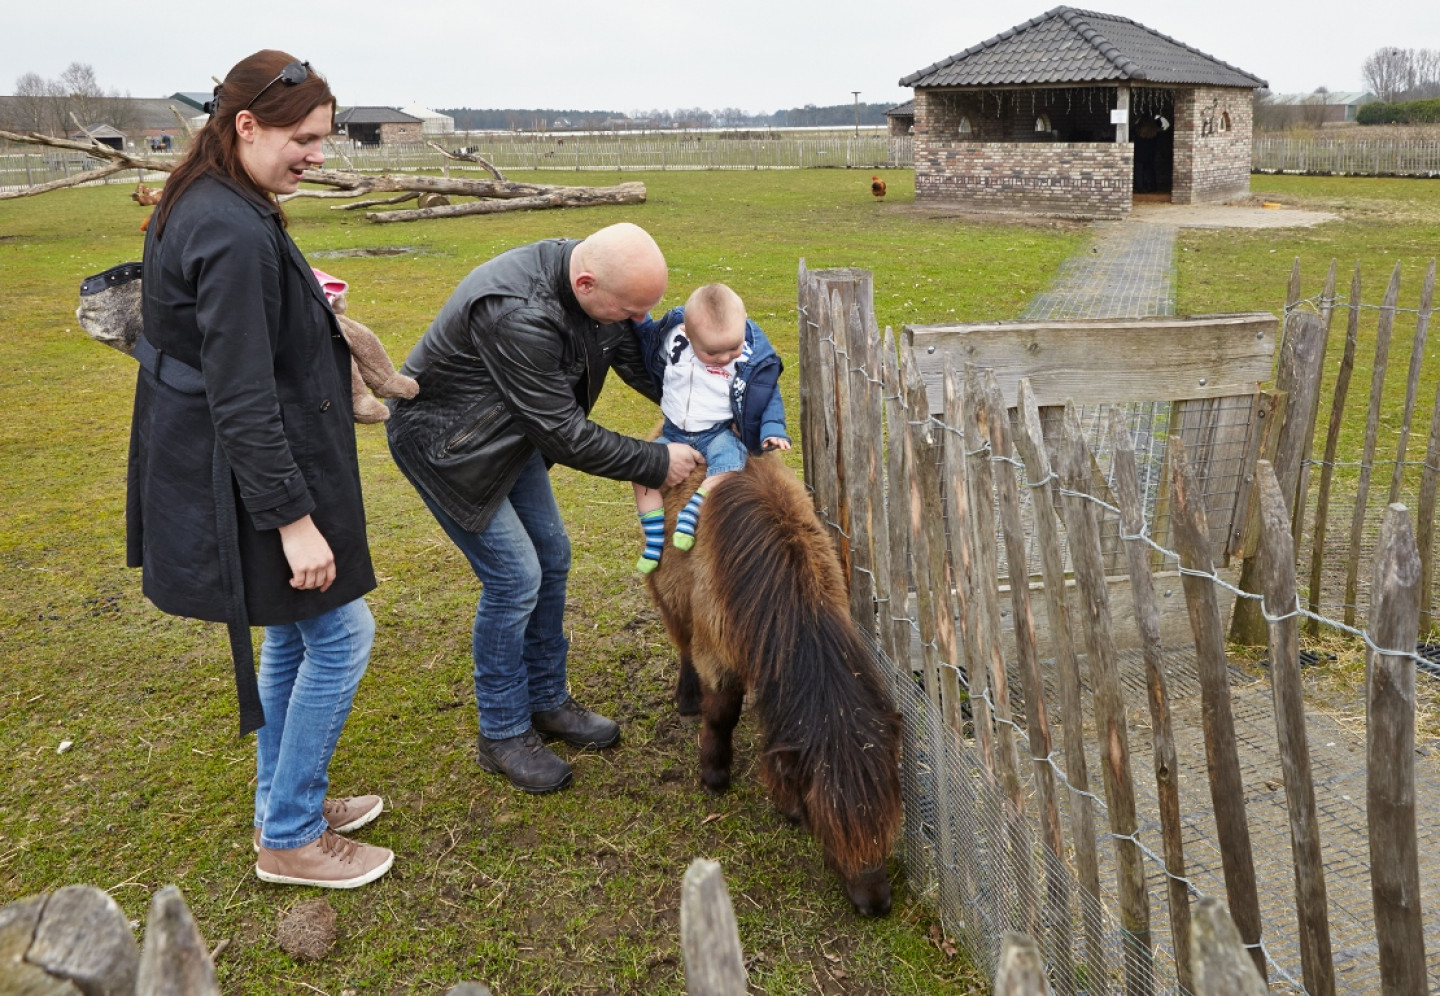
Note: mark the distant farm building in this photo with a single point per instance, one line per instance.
(433, 124)
(1073, 113)
(1312, 110)
(379, 126)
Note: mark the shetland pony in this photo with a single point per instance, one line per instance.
(759, 606)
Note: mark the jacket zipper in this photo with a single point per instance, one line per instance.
(475, 427)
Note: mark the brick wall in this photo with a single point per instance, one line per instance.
(1212, 161)
(1003, 165)
(398, 133)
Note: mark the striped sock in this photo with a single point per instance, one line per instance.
(653, 524)
(685, 522)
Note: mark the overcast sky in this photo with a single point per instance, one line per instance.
(629, 55)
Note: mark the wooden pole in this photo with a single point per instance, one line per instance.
(1222, 965)
(874, 416)
(1302, 489)
(1030, 442)
(1299, 372)
(1037, 722)
(709, 937)
(1332, 444)
(980, 643)
(806, 360)
(1412, 381)
(927, 523)
(824, 454)
(1277, 566)
(897, 471)
(855, 443)
(175, 959)
(1372, 428)
(624, 193)
(1390, 758)
(987, 571)
(1021, 971)
(1112, 733)
(1227, 788)
(1147, 621)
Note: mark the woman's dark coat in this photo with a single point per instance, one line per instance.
(227, 292)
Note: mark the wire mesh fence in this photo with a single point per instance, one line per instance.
(975, 843)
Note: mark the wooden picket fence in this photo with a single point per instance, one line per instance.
(941, 494)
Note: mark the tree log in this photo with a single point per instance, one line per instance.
(373, 202)
(555, 197)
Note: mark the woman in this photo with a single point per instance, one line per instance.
(244, 499)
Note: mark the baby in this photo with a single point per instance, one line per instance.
(718, 377)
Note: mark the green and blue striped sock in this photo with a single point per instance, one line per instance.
(686, 521)
(653, 524)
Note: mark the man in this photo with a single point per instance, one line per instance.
(508, 373)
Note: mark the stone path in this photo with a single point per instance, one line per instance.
(1127, 271)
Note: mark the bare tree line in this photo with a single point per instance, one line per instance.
(1395, 74)
(47, 105)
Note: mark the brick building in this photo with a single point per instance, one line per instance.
(1074, 113)
(379, 126)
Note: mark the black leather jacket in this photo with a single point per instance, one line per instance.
(512, 364)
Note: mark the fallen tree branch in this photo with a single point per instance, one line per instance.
(341, 194)
(69, 181)
(469, 158)
(96, 151)
(399, 199)
(560, 197)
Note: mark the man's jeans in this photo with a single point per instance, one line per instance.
(308, 674)
(522, 559)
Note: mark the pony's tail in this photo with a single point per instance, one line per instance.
(830, 731)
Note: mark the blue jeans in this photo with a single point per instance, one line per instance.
(522, 559)
(721, 448)
(308, 674)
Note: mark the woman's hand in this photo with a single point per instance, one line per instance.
(311, 561)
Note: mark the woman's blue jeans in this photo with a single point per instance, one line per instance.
(522, 559)
(309, 671)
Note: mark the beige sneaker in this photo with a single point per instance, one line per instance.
(331, 862)
(343, 815)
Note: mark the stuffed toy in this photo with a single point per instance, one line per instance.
(110, 312)
(370, 365)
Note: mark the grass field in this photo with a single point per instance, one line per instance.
(576, 892)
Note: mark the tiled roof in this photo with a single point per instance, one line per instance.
(902, 110)
(374, 115)
(1066, 45)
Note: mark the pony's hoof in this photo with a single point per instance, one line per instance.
(717, 782)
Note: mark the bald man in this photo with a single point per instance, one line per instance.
(508, 373)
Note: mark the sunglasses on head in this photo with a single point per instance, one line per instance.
(292, 75)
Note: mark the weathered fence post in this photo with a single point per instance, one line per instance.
(709, 938)
(175, 961)
(857, 446)
(1390, 757)
(1301, 353)
(1030, 441)
(76, 939)
(1277, 568)
(1147, 622)
(1111, 727)
(1021, 971)
(1222, 965)
(1412, 381)
(1227, 789)
(1372, 427)
(1332, 443)
(1302, 490)
(1037, 722)
(897, 472)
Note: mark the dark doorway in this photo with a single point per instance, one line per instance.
(1152, 130)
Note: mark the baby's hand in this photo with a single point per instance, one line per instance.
(775, 443)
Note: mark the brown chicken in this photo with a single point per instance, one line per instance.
(877, 186)
(148, 196)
